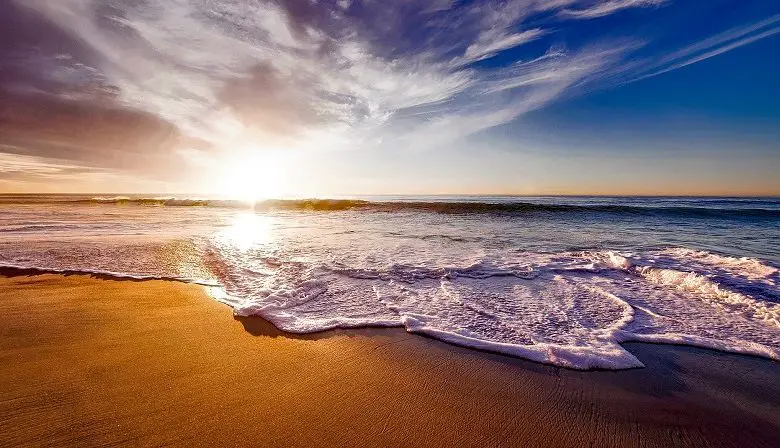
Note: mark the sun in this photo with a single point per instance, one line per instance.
(253, 173)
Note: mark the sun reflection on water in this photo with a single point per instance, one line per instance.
(249, 230)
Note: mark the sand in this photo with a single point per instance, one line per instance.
(95, 362)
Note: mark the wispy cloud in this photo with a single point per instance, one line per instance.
(225, 71)
(14, 166)
(208, 76)
(605, 8)
(486, 47)
(712, 46)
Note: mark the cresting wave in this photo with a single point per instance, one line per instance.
(161, 201)
(746, 209)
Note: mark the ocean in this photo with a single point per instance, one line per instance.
(558, 280)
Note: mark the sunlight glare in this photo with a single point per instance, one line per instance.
(254, 174)
(248, 230)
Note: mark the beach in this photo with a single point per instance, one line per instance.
(362, 223)
(91, 361)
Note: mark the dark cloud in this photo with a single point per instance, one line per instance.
(88, 133)
(56, 105)
(266, 101)
(29, 47)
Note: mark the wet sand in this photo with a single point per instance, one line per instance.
(95, 362)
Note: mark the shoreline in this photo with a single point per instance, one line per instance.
(91, 361)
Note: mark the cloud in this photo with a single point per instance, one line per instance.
(127, 85)
(489, 46)
(713, 46)
(186, 61)
(88, 133)
(605, 8)
(500, 97)
(22, 167)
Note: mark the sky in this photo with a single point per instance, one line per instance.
(270, 98)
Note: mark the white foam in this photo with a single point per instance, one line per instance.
(570, 312)
(749, 268)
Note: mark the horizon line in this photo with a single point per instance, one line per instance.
(341, 196)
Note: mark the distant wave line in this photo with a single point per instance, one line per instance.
(444, 207)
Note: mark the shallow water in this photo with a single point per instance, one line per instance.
(557, 280)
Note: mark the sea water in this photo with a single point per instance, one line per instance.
(558, 280)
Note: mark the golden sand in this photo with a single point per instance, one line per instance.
(92, 362)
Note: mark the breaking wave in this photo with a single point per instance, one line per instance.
(160, 201)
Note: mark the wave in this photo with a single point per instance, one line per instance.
(500, 208)
(703, 209)
(158, 201)
(704, 288)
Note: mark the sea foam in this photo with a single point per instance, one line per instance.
(571, 309)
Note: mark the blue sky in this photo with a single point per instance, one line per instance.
(365, 96)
